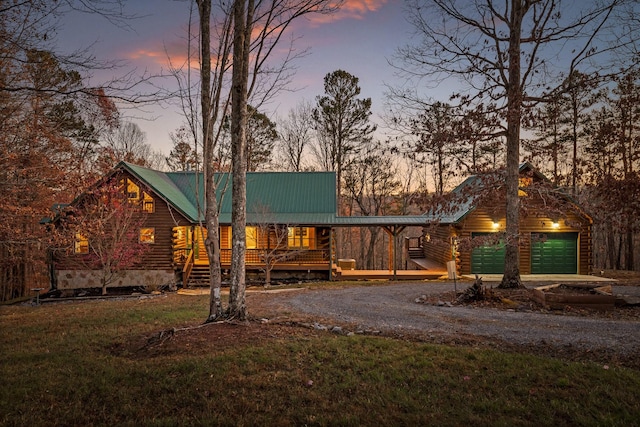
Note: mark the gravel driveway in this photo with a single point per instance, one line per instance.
(392, 309)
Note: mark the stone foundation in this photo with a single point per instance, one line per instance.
(81, 279)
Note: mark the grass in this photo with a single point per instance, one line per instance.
(58, 367)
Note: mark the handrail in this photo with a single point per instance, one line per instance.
(188, 267)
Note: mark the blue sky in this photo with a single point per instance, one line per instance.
(360, 39)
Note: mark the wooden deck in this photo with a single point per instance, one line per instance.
(432, 273)
(388, 275)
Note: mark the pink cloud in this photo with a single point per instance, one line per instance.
(350, 9)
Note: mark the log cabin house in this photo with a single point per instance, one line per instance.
(293, 217)
(555, 232)
(291, 220)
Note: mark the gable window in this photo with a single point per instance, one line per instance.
(302, 237)
(147, 203)
(80, 244)
(147, 235)
(524, 182)
(133, 191)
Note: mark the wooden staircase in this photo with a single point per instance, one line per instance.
(199, 276)
(416, 253)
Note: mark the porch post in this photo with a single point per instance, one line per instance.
(391, 231)
(331, 254)
(395, 267)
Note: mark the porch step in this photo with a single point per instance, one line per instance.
(199, 276)
(416, 253)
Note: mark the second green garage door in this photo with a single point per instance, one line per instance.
(554, 253)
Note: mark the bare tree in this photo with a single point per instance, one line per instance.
(371, 183)
(243, 11)
(272, 240)
(210, 100)
(295, 136)
(31, 25)
(252, 31)
(128, 143)
(183, 156)
(508, 52)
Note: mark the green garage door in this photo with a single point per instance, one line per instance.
(554, 253)
(487, 259)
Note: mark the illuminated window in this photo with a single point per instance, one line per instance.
(80, 244)
(302, 237)
(147, 203)
(147, 235)
(252, 237)
(524, 182)
(133, 191)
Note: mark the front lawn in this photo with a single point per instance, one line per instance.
(103, 363)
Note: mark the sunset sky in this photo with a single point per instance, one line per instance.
(360, 39)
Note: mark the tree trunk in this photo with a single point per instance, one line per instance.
(511, 278)
(242, 36)
(629, 258)
(212, 242)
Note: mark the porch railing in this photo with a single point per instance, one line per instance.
(256, 256)
(185, 257)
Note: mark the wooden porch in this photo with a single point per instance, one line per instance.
(314, 262)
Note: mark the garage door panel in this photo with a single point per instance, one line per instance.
(488, 259)
(554, 253)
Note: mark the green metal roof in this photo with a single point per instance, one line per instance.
(294, 198)
(463, 200)
(391, 220)
(278, 197)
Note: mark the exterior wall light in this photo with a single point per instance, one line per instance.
(555, 224)
(495, 225)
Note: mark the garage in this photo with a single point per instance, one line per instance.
(487, 259)
(554, 253)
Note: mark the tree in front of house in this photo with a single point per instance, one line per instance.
(105, 230)
(275, 242)
(40, 160)
(248, 34)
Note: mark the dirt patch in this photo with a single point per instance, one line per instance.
(521, 300)
(269, 321)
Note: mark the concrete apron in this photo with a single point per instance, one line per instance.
(543, 278)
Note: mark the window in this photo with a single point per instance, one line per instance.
(147, 235)
(80, 244)
(302, 237)
(252, 237)
(133, 191)
(147, 203)
(524, 182)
